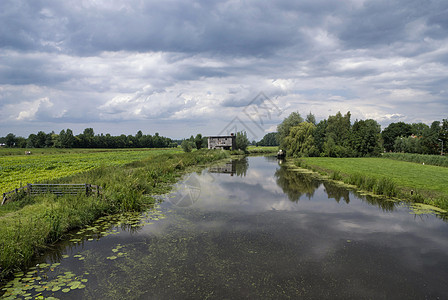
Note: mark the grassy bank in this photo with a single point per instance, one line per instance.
(405, 180)
(30, 224)
(262, 149)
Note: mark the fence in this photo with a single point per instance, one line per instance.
(57, 189)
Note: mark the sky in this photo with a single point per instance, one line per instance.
(182, 67)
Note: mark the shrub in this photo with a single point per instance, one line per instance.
(187, 146)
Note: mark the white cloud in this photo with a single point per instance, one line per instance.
(28, 110)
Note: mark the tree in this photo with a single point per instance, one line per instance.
(310, 118)
(292, 120)
(394, 130)
(187, 145)
(86, 138)
(241, 140)
(319, 135)
(269, 139)
(198, 141)
(430, 139)
(417, 129)
(31, 141)
(300, 141)
(40, 140)
(365, 138)
(20, 142)
(337, 135)
(410, 144)
(443, 135)
(66, 139)
(10, 140)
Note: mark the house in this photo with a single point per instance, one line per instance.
(227, 142)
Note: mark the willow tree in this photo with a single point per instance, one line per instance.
(300, 141)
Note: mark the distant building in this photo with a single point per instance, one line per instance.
(227, 142)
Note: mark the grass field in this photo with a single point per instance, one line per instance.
(426, 180)
(262, 149)
(49, 164)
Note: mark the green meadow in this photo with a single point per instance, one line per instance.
(426, 183)
(18, 169)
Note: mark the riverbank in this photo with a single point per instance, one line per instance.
(262, 149)
(404, 180)
(29, 225)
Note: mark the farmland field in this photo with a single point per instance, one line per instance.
(45, 164)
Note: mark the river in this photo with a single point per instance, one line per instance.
(251, 229)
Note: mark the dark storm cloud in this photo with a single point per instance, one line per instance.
(232, 27)
(382, 22)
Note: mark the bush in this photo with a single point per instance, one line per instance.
(187, 146)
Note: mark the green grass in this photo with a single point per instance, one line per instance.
(28, 225)
(430, 182)
(49, 164)
(435, 160)
(262, 149)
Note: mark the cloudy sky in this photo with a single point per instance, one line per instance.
(180, 67)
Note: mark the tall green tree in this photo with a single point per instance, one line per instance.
(319, 135)
(241, 140)
(365, 138)
(10, 140)
(337, 136)
(300, 141)
(283, 128)
(430, 139)
(417, 129)
(198, 141)
(394, 130)
(310, 118)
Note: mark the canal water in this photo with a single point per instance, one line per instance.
(250, 229)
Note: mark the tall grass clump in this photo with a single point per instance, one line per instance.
(383, 186)
(435, 160)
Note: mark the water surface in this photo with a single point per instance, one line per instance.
(253, 229)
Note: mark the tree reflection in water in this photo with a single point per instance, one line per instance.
(295, 184)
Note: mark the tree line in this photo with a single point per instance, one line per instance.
(338, 137)
(87, 139)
